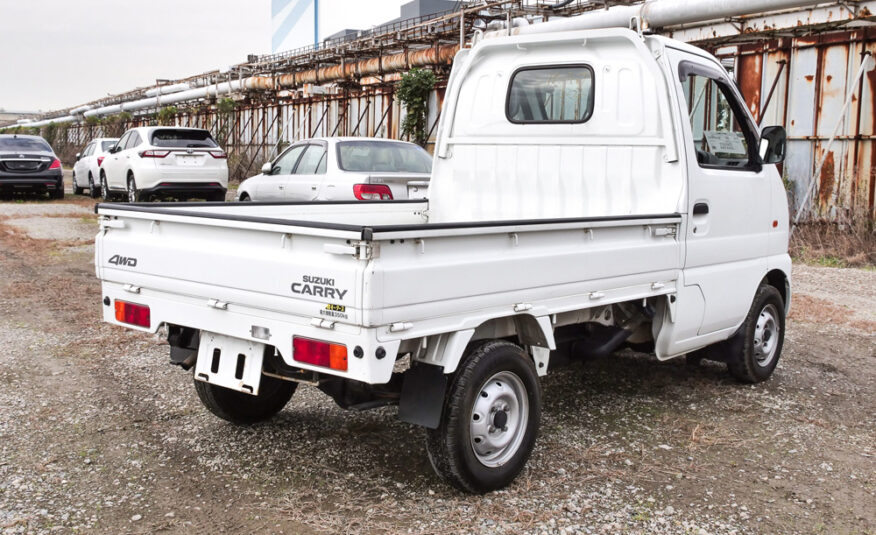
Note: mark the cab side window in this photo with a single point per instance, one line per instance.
(722, 137)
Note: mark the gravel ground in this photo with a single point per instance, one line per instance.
(99, 434)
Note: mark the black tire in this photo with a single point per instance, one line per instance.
(216, 197)
(451, 446)
(93, 190)
(753, 353)
(58, 192)
(245, 409)
(105, 192)
(245, 198)
(134, 194)
(76, 189)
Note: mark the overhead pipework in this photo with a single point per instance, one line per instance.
(656, 14)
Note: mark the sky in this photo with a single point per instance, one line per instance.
(62, 53)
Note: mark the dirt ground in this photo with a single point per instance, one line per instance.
(99, 434)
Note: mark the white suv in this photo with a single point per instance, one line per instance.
(86, 170)
(165, 161)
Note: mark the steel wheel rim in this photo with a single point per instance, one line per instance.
(498, 419)
(104, 189)
(90, 182)
(766, 335)
(132, 191)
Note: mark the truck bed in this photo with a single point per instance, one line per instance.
(371, 270)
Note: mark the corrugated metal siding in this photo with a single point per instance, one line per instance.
(808, 101)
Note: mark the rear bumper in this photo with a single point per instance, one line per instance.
(185, 189)
(43, 182)
(238, 321)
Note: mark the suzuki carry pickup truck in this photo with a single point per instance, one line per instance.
(590, 189)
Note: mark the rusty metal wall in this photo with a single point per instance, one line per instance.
(808, 93)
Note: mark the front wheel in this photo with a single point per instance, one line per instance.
(244, 409)
(133, 193)
(753, 353)
(104, 188)
(490, 419)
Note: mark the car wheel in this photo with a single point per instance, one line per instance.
(241, 408)
(216, 197)
(92, 189)
(753, 352)
(58, 192)
(133, 193)
(245, 198)
(104, 188)
(76, 189)
(490, 419)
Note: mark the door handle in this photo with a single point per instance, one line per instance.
(313, 187)
(701, 208)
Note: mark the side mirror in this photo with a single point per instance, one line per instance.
(267, 168)
(773, 142)
(78, 155)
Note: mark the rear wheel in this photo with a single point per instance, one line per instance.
(58, 192)
(490, 419)
(240, 408)
(244, 197)
(76, 189)
(216, 197)
(93, 190)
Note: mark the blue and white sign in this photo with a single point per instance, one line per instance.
(294, 23)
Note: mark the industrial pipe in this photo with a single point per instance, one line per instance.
(658, 14)
(367, 67)
(166, 89)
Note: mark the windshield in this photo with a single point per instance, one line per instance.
(380, 156)
(183, 139)
(24, 144)
(107, 145)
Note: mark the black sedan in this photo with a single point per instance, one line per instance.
(28, 163)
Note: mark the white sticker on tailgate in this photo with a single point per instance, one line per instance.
(230, 362)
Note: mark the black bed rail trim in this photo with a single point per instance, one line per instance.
(367, 232)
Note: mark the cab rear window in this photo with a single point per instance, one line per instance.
(183, 139)
(556, 94)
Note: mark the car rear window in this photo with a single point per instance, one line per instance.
(183, 139)
(380, 156)
(24, 144)
(107, 145)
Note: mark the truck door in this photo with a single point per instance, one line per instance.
(728, 206)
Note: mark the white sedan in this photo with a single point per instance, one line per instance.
(86, 170)
(342, 168)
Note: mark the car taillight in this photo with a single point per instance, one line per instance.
(132, 313)
(99, 160)
(218, 154)
(372, 192)
(154, 153)
(319, 353)
(56, 164)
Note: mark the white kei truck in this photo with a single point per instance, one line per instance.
(591, 189)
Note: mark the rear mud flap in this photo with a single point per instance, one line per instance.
(422, 396)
